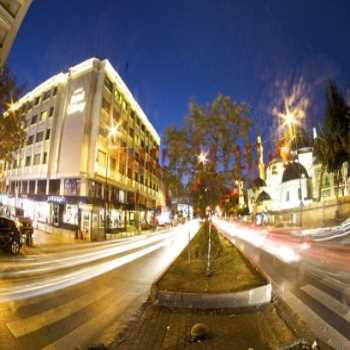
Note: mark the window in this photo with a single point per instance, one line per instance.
(131, 132)
(3, 34)
(39, 136)
(12, 6)
(54, 91)
(108, 84)
(287, 196)
(32, 186)
(116, 115)
(34, 119)
(28, 160)
(72, 187)
(44, 115)
(37, 159)
(30, 140)
(24, 187)
(101, 158)
(51, 112)
(46, 95)
(106, 106)
(299, 193)
(47, 135)
(41, 187)
(36, 101)
(45, 158)
(54, 187)
(125, 125)
(113, 163)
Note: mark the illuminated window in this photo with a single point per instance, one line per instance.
(44, 115)
(113, 162)
(101, 158)
(72, 187)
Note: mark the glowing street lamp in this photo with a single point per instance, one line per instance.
(202, 158)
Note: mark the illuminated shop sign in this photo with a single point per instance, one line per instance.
(56, 199)
(77, 101)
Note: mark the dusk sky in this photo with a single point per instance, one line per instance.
(170, 51)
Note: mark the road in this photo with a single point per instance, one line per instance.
(78, 294)
(312, 278)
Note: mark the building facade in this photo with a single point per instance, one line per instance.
(12, 13)
(293, 185)
(91, 158)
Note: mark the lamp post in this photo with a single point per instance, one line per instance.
(291, 121)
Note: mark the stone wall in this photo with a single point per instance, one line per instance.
(315, 214)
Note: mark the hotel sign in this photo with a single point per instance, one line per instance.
(77, 101)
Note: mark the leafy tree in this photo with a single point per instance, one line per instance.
(332, 147)
(11, 123)
(219, 130)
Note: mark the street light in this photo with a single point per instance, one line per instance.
(202, 157)
(290, 120)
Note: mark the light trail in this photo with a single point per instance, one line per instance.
(62, 262)
(46, 285)
(260, 240)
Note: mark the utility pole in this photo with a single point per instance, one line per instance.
(209, 251)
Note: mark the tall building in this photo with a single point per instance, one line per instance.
(12, 13)
(91, 154)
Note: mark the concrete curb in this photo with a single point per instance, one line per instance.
(244, 299)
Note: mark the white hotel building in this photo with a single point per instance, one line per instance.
(12, 13)
(71, 168)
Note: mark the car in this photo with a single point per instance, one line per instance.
(25, 227)
(10, 236)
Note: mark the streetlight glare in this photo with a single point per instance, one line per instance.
(202, 158)
(113, 131)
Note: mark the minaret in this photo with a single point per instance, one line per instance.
(260, 154)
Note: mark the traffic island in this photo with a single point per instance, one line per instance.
(228, 280)
(190, 308)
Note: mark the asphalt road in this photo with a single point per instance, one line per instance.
(313, 278)
(75, 295)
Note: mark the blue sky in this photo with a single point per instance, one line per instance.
(171, 51)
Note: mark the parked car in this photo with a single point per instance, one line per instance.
(10, 236)
(25, 227)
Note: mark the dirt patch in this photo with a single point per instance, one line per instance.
(230, 271)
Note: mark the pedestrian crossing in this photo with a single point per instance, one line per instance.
(330, 302)
(31, 324)
(78, 320)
